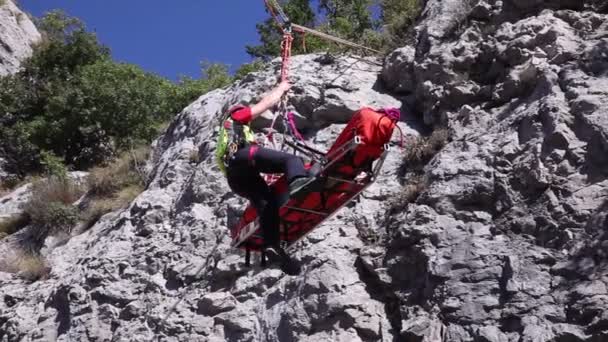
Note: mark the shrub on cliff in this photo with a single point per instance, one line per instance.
(51, 207)
(73, 101)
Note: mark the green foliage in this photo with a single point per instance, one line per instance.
(347, 19)
(119, 100)
(80, 107)
(300, 12)
(20, 154)
(105, 106)
(66, 47)
(53, 165)
(214, 75)
(248, 68)
(54, 218)
(397, 17)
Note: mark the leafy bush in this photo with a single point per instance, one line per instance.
(106, 106)
(66, 47)
(53, 218)
(20, 154)
(72, 103)
(53, 165)
(187, 90)
(248, 68)
(119, 100)
(397, 17)
(29, 120)
(348, 18)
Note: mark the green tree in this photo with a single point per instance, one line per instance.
(397, 16)
(349, 19)
(65, 47)
(214, 75)
(247, 68)
(299, 12)
(71, 103)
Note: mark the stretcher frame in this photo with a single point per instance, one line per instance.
(326, 161)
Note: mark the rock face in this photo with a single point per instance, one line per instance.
(506, 243)
(119, 280)
(17, 34)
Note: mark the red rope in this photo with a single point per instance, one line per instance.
(285, 55)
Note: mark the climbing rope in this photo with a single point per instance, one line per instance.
(287, 26)
(285, 56)
(301, 28)
(273, 6)
(286, 53)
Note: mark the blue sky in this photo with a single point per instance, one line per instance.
(169, 38)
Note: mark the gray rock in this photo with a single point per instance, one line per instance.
(505, 241)
(215, 303)
(17, 35)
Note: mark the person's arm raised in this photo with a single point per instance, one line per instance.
(270, 99)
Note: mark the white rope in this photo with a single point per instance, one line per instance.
(332, 38)
(276, 5)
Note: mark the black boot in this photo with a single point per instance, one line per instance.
(277, 255)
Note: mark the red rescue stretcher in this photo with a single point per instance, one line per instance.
(345, 170)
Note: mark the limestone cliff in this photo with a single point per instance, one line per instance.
(17, 35)
(506, 241)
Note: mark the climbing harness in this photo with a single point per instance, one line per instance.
(231, 137)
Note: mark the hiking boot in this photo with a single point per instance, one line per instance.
(299, 183)
(277, 255)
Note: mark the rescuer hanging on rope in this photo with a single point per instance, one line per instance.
(242, 160)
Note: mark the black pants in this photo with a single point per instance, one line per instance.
(244, 178)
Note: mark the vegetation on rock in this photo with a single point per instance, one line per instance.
(378, 24)
(72, 104)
